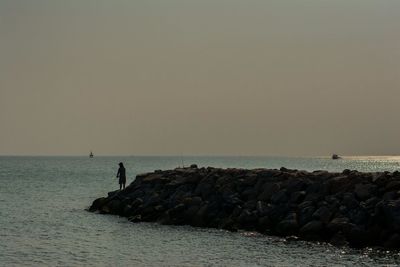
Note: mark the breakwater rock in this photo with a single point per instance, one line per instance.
(355, 208)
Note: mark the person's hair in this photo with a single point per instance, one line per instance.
(121, 164)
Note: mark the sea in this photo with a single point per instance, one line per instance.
(44, 222)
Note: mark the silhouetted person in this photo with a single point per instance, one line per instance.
(121, 175)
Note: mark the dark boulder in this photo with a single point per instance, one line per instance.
(264, 224)
(350, 201)
(313, 230)
(339, 224)
(339, 184)
(294, 185)
(248, 219)
(204, 190)
(279, 197)
(268, 190)
(114, 207)
(358, 216)
(364, 191)
(322, 214)
(391, 195)
(360, 209)
(393, 185)
(305, 212)
(277, 212)
(391, 212)
(288, 226)
(113, 193)
(249, 194)
(393, 241)
(339, 240)
(357, 236)
(98, 203)
(297, 197)
(201, 217)
(261, 208)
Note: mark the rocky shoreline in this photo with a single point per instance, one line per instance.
(347, 208)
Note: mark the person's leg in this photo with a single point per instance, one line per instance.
(124, 185)
(120, 187)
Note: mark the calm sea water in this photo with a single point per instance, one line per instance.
(43, 221)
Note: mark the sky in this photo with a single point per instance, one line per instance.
(210, 77)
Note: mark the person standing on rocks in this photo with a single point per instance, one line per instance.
(121, 175)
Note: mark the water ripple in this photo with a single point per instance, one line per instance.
(43, 222)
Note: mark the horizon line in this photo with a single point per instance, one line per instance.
(194, 155)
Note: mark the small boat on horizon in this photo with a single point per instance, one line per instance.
(91, 154)
(335, 156)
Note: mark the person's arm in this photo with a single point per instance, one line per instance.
(118, 173)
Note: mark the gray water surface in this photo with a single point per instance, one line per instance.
(43, 221)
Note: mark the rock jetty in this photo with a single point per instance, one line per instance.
(348, 208)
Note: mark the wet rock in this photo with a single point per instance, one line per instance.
(261, 208)
(392, 186)
(339, 240)
(297, 197)
(250, 193)
(136, 202)
(391, 195)
(380, 179)
(391, 211)
(358, 216)
(357, 236)
(350, 201)
(305, 214)
(364, 191)
(312, 230)
(279, 197)
(251, 205)
(283, 169)
(268, 190)
(277, 212)
(192, 201)
(288, 226)
(228, 224)
(97, 204)
(200, 219)
(232, 200)
(317, 188)
(155, 178)
(314, 197)
(305, 204)
(248, 219)
(113, 193)
(250, 179)
(339, 184)
(370, 204)
(115, 206)
(322, 214)
(295, 185)
(127, 211)
(393, 241)
(264, 224)
(361, 209)
(346, 172)
(339, 224)
(204, 190)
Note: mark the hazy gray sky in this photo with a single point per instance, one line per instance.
(267, 77)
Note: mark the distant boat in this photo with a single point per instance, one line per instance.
(335, 156)
(91, 154)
